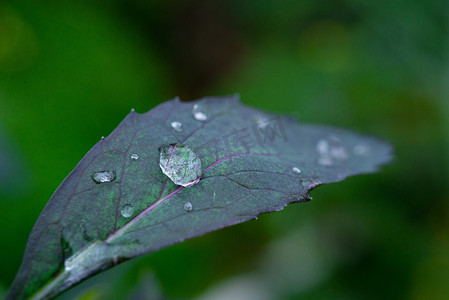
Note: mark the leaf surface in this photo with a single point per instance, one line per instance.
(118, 204)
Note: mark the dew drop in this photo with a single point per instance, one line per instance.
(188, 206)
(198, 113)
(179, 163)
(338, 152)
(103, 176)
(134, 156)
(177, 126)
(296, 170)
(330, 150)
(127, 210)
(322, 147)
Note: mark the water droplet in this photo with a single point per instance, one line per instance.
(338, 151)
(188, 206)
(331, 150)
(103, 176)
(198, 113)
(127, 210)
(134, 156)
(177, 126)
(180, 164)
(322, 147)
(296, 170)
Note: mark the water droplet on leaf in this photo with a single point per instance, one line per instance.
(331, 150)
(103, 176)
(188, 206)
(177, 126)
(180, 164)
(134, 156)
(322, 147)
(127, 210)
(296, 170)
(198, 113)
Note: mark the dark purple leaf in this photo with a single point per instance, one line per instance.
(232, 162)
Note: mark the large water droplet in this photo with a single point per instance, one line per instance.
(127, 210)
(188, 206)
(177, 126)
(103, 176)
(199, 113)
(296, 170)
(180, 164)
(134, 156)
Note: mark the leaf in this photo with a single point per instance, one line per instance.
(118, 204)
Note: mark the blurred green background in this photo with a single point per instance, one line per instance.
(71, 70)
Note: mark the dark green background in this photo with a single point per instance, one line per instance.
(71, 70)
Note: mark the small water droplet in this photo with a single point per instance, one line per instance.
(177, 126)
(103, 176)
(198, 113)
(296, 170)
(179, 163)
(134, 156)
(188, 206)
(133, 110)
(127, 210)
(322, 147)
(331, 150)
